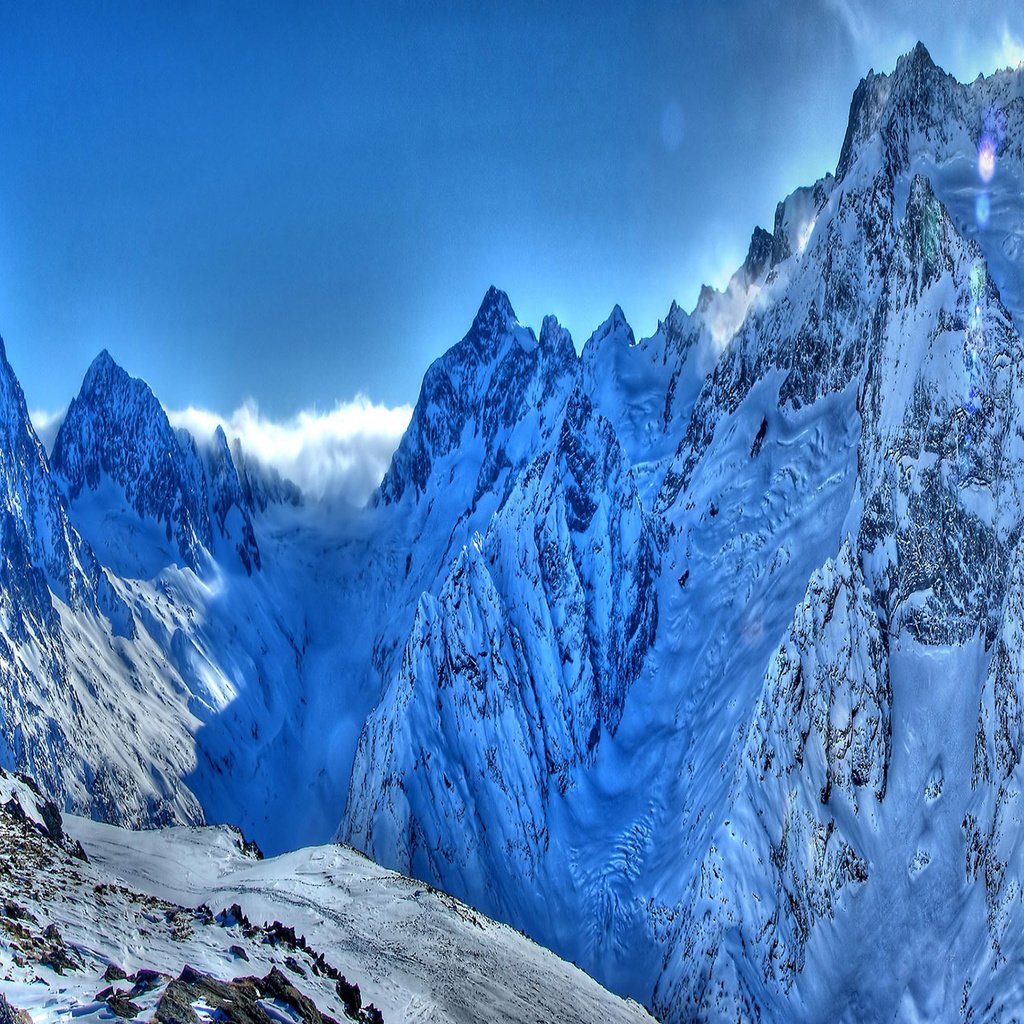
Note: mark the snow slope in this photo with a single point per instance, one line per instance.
(138, 902)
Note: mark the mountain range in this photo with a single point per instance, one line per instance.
(697, 657)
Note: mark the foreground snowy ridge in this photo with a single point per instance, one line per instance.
(342, 931)
(696, 656)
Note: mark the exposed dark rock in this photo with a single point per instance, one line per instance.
(11, 1015)
(121, 1004)
(236, 1002)
(145, 981)
(350, 997)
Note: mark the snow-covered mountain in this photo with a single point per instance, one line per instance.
(826, 462)
(697, 656)
(116, 445)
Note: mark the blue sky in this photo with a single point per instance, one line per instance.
(293, 204)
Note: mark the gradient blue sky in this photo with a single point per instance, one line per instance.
(294, 203)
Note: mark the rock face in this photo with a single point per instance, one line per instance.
(524, 658)
(230, 506)
(817, 752)
(40, 547)
(43, 564)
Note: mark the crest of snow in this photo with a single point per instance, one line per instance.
(340, 454)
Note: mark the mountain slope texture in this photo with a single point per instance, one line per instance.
(697, 657)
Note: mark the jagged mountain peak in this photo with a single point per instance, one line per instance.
(33, 521)
(704, 299)
(617, 318)
(759, 253)
(917, 61)
(616, 327)
(917, 99)
(617, 322)
(495, 315)
(111, 391)
(551, 330)
(229, 505)
(555, 341)
(485, 386)
(103, 364)
(116, 430)
(106, 377)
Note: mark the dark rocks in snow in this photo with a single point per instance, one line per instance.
(114, 972)
(145, 980)
(279, 934)
(238, 1001)
(233, 916)
(12, 1015)
(54, 953)
(350, 997)
(121, 1005)
(249, 847)
(755, 448)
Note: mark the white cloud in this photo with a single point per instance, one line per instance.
(342, 454)
(1010, 53)
(46, 424)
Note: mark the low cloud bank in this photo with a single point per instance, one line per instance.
(46, 424)
(342, 454)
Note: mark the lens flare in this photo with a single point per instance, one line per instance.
(982, 209)
(987, 158)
